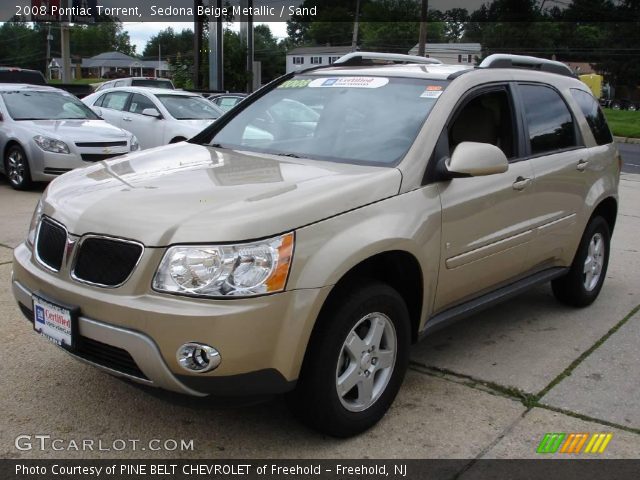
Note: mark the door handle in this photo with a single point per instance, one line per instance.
(582, 165)
(126, 119)
(521, 183)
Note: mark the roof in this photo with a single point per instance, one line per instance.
(319, 50)
(435, 48)
(152, 91)
(13, 87)
(117, 60)
(435, 71)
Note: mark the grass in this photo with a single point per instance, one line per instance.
(623, 123)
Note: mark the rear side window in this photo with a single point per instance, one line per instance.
(550, 123)
(595, 118)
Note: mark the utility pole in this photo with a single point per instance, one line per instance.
(197, 45)
(216, 61)
(49, 38)
(356, 26)
(423, 28)
(246, 36)
(159, 59)
(65, 48)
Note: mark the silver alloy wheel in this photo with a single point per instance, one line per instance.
(366, 362)
(594, 262)
(15, 167)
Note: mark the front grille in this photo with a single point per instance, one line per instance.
(101, 144)
(56, 171)
(97, 157)
(108, 356)
(106, 262)
(52, 239)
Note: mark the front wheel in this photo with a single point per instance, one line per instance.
(582, 284)
(16, 167)
(356, 361)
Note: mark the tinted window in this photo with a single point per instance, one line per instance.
(595, 118)
(115, 100)
(139, 103)
(22, 76)
(485, 119)
(550, 122)
(166, 84)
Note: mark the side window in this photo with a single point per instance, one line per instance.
(98, 102)
(139, 103)
(115, 100)
(486, 118)
(595, 118)
(551, 125)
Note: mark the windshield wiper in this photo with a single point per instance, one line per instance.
(290, 155)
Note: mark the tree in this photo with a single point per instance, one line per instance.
(170, 43)
(269, 52)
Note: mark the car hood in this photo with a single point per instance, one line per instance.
(75, 130)
(191, 193)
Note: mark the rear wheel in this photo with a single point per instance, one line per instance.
(356, 361)
(581, 286)
(16, 167)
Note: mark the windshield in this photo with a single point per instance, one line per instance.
(166, 84)
(34, 105)
(183, 107)
(363, 120)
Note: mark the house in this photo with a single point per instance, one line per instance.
(452, 53)
(107, 64)
(305, 57)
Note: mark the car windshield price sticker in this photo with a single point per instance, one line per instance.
(349, 82)
(52, 322)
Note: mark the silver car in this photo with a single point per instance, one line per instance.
(45, 132)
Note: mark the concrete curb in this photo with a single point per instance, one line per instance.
(635, 141)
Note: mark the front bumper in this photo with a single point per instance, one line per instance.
(261, 340)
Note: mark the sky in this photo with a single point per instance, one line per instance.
(140, 32)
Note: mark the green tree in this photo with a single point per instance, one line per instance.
(170, 42)
(269, 52)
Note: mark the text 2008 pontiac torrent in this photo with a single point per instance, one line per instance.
(301, 243)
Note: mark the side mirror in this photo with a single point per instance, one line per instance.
(476, 159)
(151, 112)
(97, 111)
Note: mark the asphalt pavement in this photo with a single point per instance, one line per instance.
(489, 387)
(630, 153)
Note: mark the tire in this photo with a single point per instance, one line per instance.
(580, 289)
(331, 359)
(16, 168)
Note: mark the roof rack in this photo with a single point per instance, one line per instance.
(500, 60)
(366, 58)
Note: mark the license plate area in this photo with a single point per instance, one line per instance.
(56, 322)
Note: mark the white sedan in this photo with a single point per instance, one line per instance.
(155, 116)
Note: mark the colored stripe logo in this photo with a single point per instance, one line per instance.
(574, 443)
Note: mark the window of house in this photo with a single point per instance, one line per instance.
(469, 58)
(298, 60)
(333, 59)
(549, 120)
(316, 60)
(595, 118)
(459, 58)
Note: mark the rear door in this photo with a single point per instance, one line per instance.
(559, 159)
(486, 222)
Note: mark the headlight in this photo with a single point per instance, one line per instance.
(51, 144)
(33, 226)
(226, 270)
(134, 143)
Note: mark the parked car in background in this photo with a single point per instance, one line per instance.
(20, 75)
(155, 116)
(45, 132)
(226, 101)
(151, 82)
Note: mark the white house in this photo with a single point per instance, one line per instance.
(305, 57)
(102, 64)
(452, 53)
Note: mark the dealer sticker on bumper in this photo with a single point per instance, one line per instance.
(53, 322)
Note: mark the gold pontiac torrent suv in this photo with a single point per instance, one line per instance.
(307, 238)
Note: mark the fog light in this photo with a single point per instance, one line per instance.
(198, 357)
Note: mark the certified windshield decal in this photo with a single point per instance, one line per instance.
(349, 82)
(432, 91)
(295, 83)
